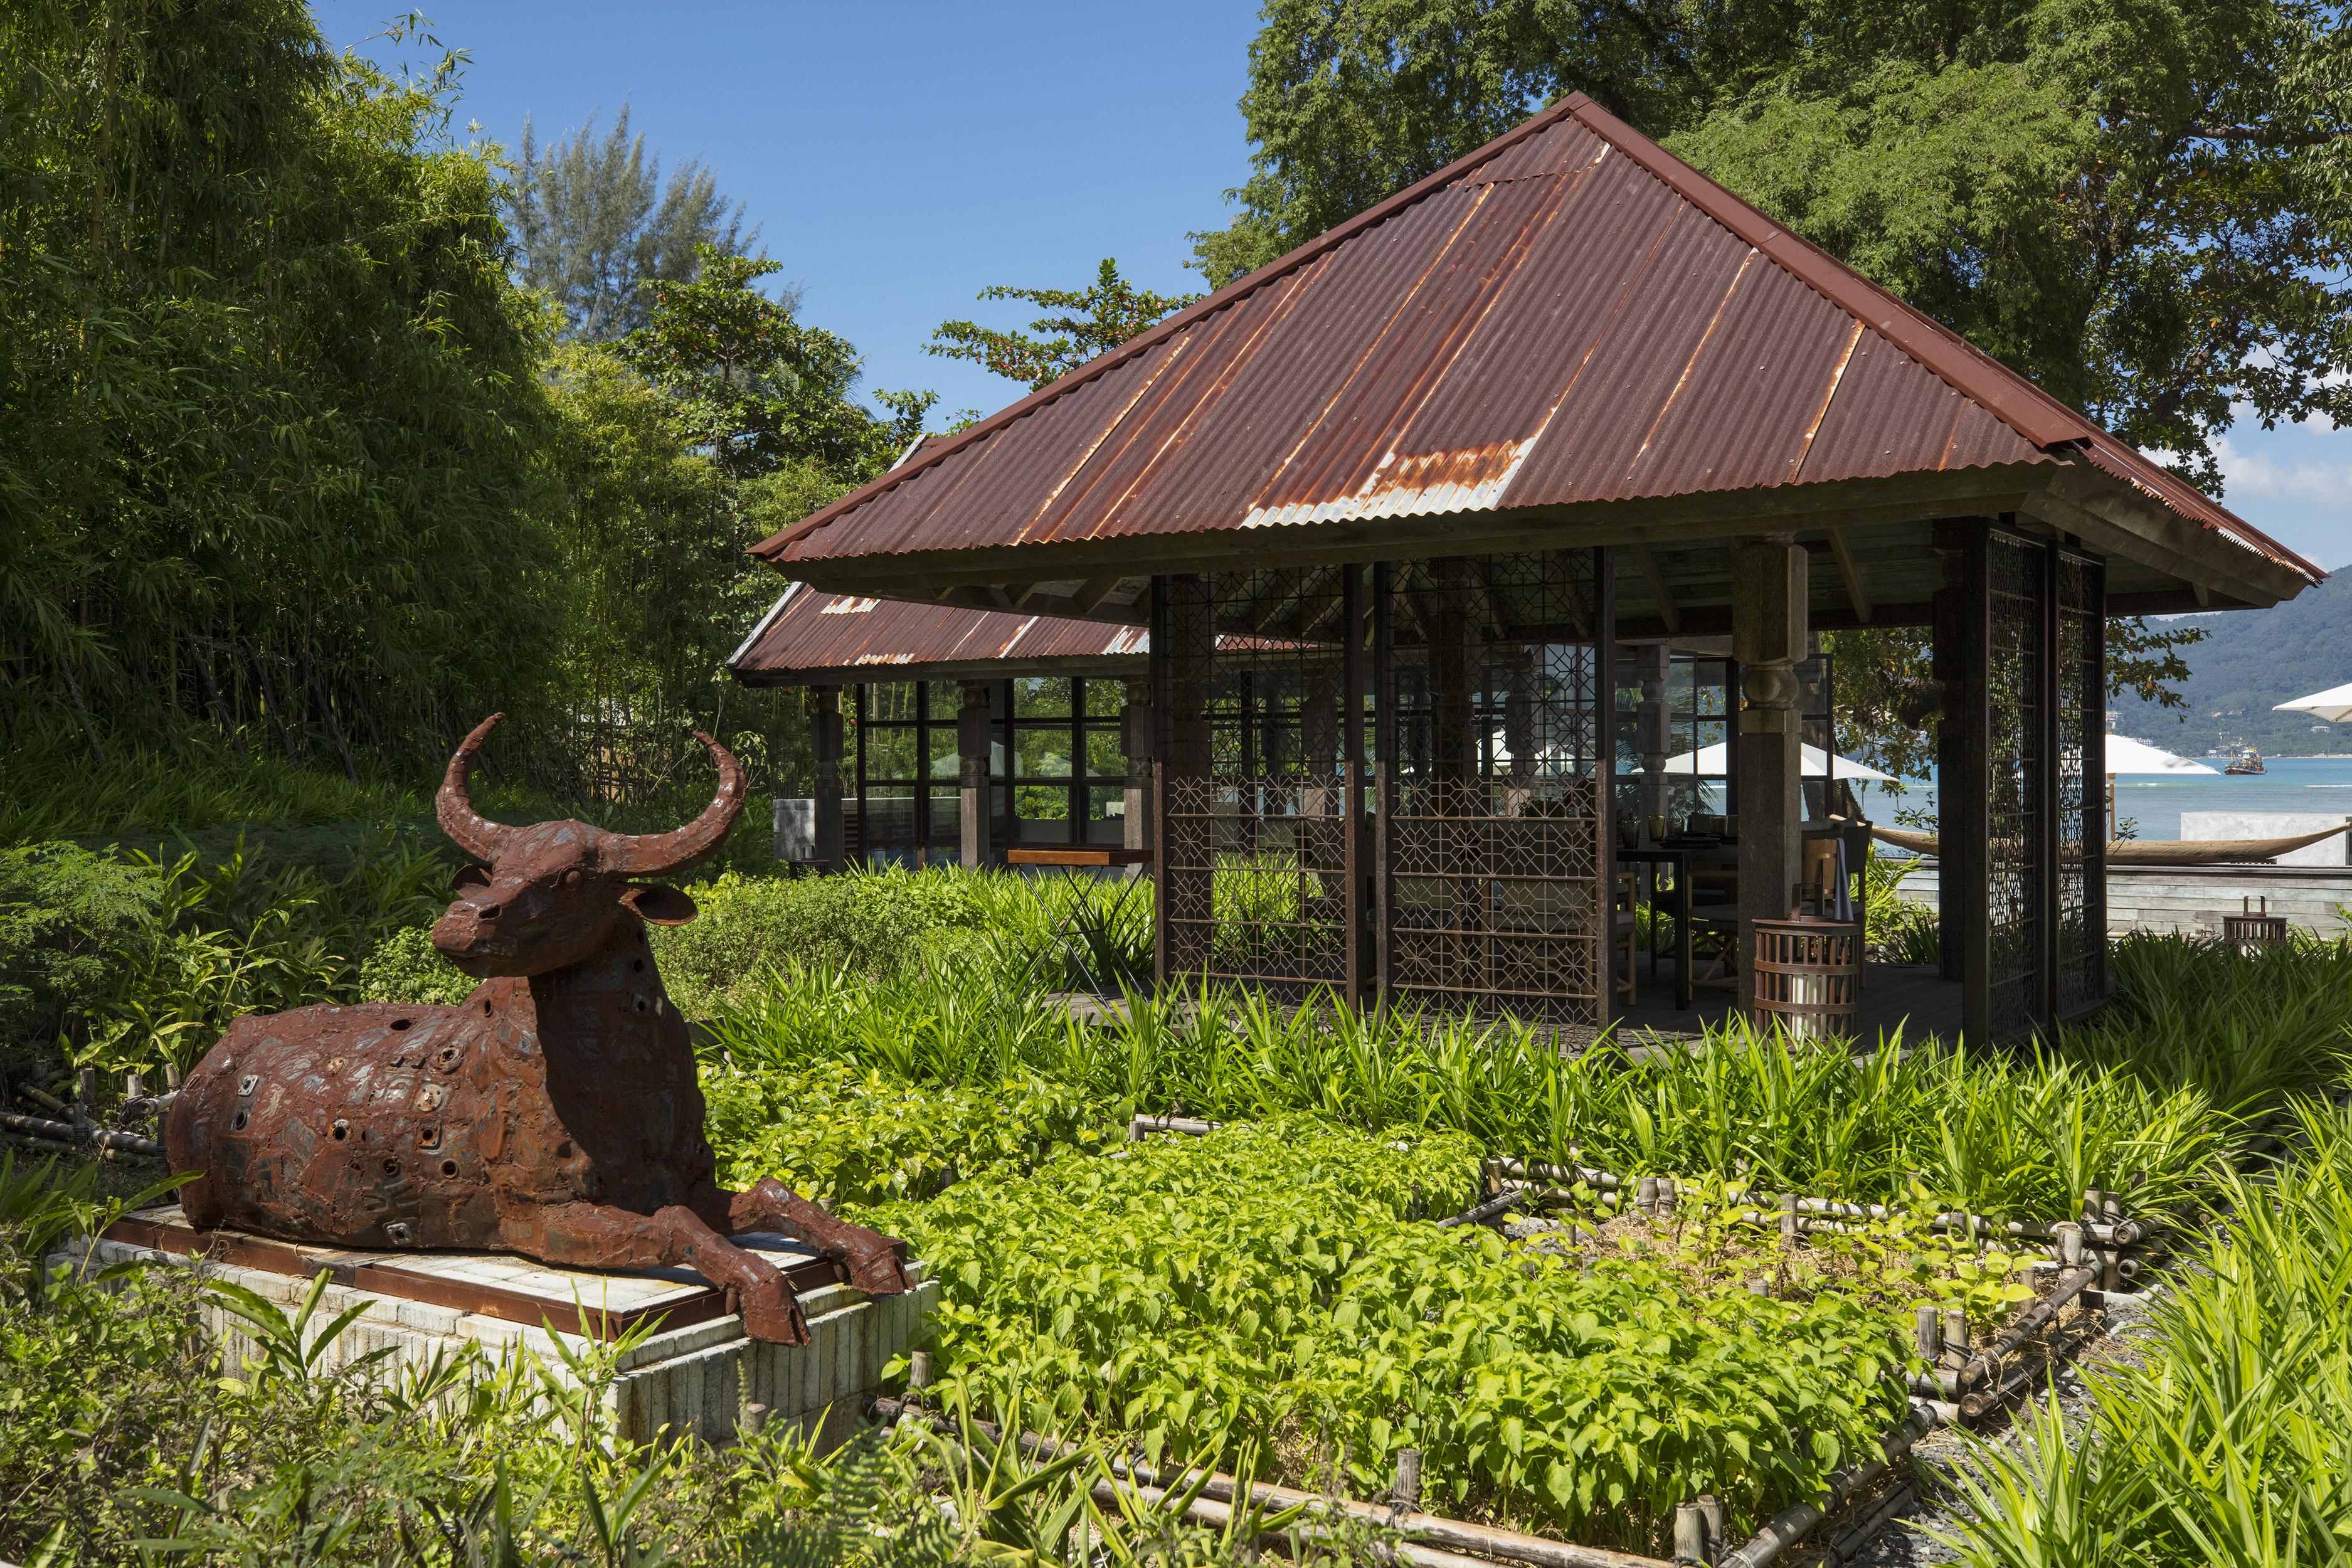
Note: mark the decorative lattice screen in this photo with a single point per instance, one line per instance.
(2015, 860)
(1492, 768)
(1261, 799)
(2081, 836)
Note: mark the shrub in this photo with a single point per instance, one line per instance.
(873, 923)
(407, 967)
(837, 1134)
(73, 925)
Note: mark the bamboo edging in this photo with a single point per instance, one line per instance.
(73, 1136)
(1430, 1539)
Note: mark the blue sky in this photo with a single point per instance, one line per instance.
(900, 158)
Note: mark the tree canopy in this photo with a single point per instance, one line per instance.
(268, 406)
(593, 220)
(2145, 205)
(1090, 322)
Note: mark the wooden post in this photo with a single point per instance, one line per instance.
(1769, 636)
(1386, 770)
(831, 852)
(972, 767)
(1653, 730)
(1135, 735)
(1964, 777)
(1351, 775)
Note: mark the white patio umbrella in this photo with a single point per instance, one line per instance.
(1717, 760)
(2125, 755)
(2334, 705)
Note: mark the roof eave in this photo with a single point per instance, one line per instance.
(2112, 517)
(1668, 520)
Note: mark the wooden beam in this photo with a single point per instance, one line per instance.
(1095, 590)
(1850, 570)
(1662, 593)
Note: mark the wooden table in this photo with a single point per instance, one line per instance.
(1076, 855)
(1074, 858)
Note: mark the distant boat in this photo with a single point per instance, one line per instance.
(2247, 760)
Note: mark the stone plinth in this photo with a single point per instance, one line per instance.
(695, 1370)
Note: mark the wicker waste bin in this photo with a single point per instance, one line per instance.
(1808, 974)
(2250, 932)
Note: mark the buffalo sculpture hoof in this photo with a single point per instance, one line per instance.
(771, 1314)
(878, 1268)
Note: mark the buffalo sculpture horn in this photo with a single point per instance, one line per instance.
(552, 1113)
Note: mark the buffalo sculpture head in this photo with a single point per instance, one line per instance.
(550, 895)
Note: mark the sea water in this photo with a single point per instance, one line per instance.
(2153, 802)
(2321, 784)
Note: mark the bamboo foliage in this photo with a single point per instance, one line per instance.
(267, 401)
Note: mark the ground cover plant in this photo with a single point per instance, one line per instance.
(178, 1455)
(1273, 1281)
(2200, 1049)
(2230, 1446)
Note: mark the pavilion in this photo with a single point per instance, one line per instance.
(1389, 507)
(969, 732)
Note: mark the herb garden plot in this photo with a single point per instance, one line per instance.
(1265, 1290)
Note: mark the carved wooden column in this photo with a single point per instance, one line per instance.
(1135, 735)
(971, 763)
(1769, 636)
(1651, 731)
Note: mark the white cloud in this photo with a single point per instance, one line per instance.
(2264, 474)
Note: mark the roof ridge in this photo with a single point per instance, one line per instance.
(927, 457)
(1943, 353)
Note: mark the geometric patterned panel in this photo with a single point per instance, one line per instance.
(2080, 838)
(1491, 770)
(2016, 856)
(1258, 862)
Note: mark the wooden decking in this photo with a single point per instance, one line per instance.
(1908, 997)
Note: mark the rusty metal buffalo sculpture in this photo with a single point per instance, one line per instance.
(553, 1114)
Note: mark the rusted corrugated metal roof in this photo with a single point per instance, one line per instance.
(1569, 314)
(811, 634)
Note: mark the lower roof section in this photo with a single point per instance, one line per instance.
(811, 637)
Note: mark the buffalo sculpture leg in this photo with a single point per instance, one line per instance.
(595, 1235)
(874, 1261)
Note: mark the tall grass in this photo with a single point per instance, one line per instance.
(2234, 1444)
(2151, 1101)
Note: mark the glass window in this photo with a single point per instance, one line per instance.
(891, 753)
(944, 763)
(1042, 697)
(1106, 753)
(1105, 803)
(894, 701)
(1041, 754)
(1042, 802)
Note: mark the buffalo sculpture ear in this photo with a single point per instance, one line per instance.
(662, 905)
(469, 877)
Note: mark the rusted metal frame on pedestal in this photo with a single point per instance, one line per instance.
(1479, 865)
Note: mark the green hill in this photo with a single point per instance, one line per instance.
(2251, 660)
